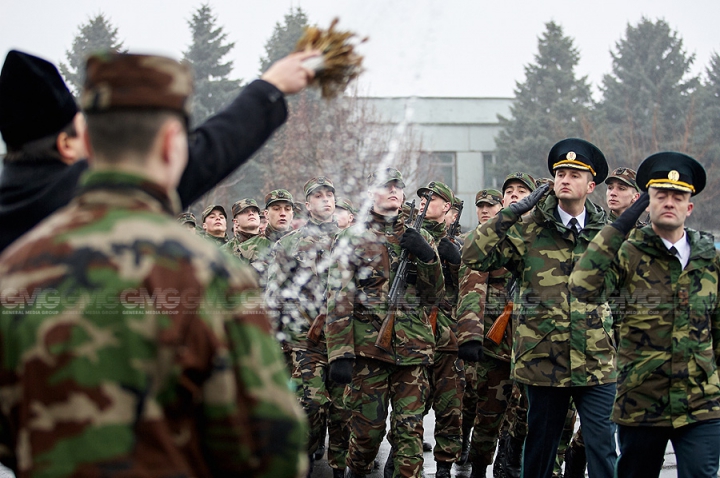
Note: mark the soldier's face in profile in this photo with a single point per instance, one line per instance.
(573, 184)
(247, 220)
(619, 196)
(215, 224)
(669, 208)
(437, 208)
(485, 211)
(321, 204)
(450, 217)
(343, 217)
(387, 199)
(280, 215)
(514, 191)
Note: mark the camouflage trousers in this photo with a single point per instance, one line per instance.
(338, 424)
(515, 421)
(470, 398)
(494, 387)
(447, 383)
(308, 372)
(376, 385)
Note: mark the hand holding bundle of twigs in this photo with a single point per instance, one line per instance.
(339, 63)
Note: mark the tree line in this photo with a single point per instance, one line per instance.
(648, 102)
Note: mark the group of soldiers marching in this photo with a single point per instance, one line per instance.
(132, 348)
(473, 337)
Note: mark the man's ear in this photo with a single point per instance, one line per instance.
(591, 187)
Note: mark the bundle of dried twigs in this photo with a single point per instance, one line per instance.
(339, 64)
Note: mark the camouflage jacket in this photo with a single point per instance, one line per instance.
(297, 281)
(218, 241)
(558, 341)
(366, 257)
(129, 344)
(482, 299)
(235, 242)
(256, 250)
(446, 329)
(670, 329)
(612, 216)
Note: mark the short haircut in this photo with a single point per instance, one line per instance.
(115, 134)
(41, 148)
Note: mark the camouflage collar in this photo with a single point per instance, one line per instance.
(273, 234)
(124, 182)
(384, 224)
(313, 226)
(702, 244)
(244, 236)
(437, 230)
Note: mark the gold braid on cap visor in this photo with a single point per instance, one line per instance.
(576, 164)
(671, 184)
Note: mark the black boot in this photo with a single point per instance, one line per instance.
(320, 452)
(351, 474)
(311, 459)
(427, 446)
(513, 459)
(443, 469)
(575, 461)
(465, 454)
(478, 471)
(389, 465)
(498, 471)
(338, 473)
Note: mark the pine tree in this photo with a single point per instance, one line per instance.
(550, 105)
(97, 34)
(213, 89)
(646, 105)
(284, 37)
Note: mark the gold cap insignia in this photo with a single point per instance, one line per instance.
(571, 155)
(673, 175)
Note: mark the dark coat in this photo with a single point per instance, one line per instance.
(31, 191)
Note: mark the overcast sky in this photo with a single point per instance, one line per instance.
(417, 47)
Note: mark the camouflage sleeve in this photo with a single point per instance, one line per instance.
(487, 249)
(278, 425)
(451, 273)
(714, 319)
(471, 304)
(597, 273)
(430, 281)
(341, 300)
(276, 278)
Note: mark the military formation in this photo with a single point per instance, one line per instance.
(137, 340)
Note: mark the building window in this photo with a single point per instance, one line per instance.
(437, 166)
(493, 177)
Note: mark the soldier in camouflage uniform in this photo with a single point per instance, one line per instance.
(447, 379)
(246, 223)
(296, 295)
(256, 250)
(142, 352)
(668, 276)
(214, 225)
(187, 219)
(365, 259)
(561, 349)
(483, 297)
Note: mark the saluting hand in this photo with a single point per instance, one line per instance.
(528, 202)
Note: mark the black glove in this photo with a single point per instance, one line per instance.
(528, 202)
(471, 351)
(628, 219)
(448, 251)
(341, 370)
(414, 243)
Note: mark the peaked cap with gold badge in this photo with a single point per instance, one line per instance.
(576, 153)
(671, 170)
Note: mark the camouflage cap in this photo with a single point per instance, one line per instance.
(185, 217)
(384, 176)
(540, 181)
(316, 183)
(626, 175)
(299, 210)
(524, 178)
(212, 208)
(488, 196)
(124, 80)
(457, 204)
(346, 204)
(243, 204)
(277, 195)
(441, 189)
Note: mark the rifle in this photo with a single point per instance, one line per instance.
(497, 329)
(454, 229)
(397, 288)
(316, 328)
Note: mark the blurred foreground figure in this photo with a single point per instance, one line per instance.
(128, 345)
(43, 129)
